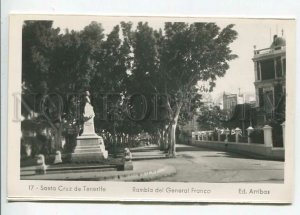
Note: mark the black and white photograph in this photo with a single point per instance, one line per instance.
(145, 100)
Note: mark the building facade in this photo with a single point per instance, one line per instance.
(229, 102)
(270, 70)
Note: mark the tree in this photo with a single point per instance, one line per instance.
(209, 117)
(192, 52)
(143, 82)
(108, 86)
(171, 63)
(55, 65)
(38, 44)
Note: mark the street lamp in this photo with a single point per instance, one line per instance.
(249, 131)
(227, 132)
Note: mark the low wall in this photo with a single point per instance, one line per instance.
(252, 150)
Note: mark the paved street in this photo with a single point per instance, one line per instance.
(194, 164)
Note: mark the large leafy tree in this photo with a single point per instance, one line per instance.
(38, 44)
(193, 52)
(170, 64)
(55, 65)
(108, 85)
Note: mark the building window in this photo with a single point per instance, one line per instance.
(258, 71)
(267, 69)
(269, 101)
(279, 97)
(261, 97)
(233, 104)
(196, 137)
(278, 67)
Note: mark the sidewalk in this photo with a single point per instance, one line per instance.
(142, 171)
(147, 153)
(192, 164)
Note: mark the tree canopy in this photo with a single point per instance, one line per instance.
(141, 79)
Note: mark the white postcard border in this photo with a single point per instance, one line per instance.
(18, 190)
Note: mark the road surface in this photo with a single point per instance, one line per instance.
(194, 164)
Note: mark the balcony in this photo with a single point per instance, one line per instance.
(268, 51)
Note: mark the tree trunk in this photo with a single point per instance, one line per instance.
(114, 141)
(160, 139)
(166, 141)
(119, 139)
(172, 147)
(130, 141)
(58, 134)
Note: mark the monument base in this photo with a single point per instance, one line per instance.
(89, 149)
(128, 165)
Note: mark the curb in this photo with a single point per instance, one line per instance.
(132, 175)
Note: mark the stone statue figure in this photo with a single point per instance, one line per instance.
(89, 146)
(88, 117)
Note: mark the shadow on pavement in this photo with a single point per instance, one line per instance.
(191, 148)
(144, 149)
(187, 148)
(236, 155)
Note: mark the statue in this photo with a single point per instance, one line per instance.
(88, 117)
(89, 146)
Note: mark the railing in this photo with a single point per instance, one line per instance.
(209, 135)
(268, 50)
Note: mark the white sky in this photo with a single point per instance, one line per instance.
(241, 71)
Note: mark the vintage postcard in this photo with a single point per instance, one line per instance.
(163, 109)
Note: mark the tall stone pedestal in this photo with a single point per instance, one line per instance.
(89, 149)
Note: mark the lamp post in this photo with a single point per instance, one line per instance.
(211, 136)
(219, 134)
(249, 131)
(237, 134)
(227, 132)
